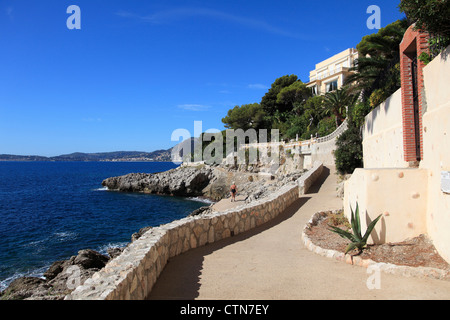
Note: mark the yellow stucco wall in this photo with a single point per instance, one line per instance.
(436, 147)
(396, 195)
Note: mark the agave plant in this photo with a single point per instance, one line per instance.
(357, 240)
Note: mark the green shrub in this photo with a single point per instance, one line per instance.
(348, 154)
(377, 97)
(425, 58)
(326, 126)
(359, 112)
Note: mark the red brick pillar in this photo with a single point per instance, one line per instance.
(411, 47)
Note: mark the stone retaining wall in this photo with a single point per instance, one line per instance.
(132, 275)
(308, 179)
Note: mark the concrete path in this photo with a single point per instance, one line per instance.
(271, 263)
(226, 204)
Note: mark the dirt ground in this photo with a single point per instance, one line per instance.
(415, 252)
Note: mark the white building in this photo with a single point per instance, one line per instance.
(331, 73)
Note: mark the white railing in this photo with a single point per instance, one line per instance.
(335, 133)
(328, 73)
(302, 146)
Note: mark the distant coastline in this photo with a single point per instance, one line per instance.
(117, 156)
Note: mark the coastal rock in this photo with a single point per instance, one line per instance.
(200, 211)
(114, 252)
(57, 277)
(22, 288)
(218, 188)
(62, 284)
(212, 182)
(138, 234)
(89, 259)
(184, 181)
(56, 268)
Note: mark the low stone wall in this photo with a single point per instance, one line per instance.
(132, 275)
(308, 179)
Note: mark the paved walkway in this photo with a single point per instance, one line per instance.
(226, 204)
(271, 263)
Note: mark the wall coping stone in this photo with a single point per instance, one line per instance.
(308, 179)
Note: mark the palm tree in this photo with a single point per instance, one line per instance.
(377, 65)
(336, 102)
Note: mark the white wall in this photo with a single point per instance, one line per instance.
(436, 148)
(383, 135)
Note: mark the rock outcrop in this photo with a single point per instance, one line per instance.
(58, 278)
(211, 181)
(184, 181)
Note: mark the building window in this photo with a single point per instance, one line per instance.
(331, 86)
(314, 90)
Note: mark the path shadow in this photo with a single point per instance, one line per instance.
(315, 188)
(180, 279)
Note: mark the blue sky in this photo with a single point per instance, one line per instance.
(139, 69)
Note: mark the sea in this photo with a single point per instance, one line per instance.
(51, 210)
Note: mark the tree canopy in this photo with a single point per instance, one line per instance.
(289, 107)
(377, 70)
(247, 116)
(429, 15)
(269, 101)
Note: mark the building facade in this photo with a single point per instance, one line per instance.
(331, 73)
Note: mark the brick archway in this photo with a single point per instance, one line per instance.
(411, 47)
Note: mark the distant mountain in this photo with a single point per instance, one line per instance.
(11, 157)
(184, 148)
(158, 155)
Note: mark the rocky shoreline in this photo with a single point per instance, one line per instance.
(63, 276)
(183, 182)
(55, 285)
(210, 182)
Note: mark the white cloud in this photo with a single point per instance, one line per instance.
(92, 119)
(9, 12)
(258, 86)
(166, 16)
(193, 107)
